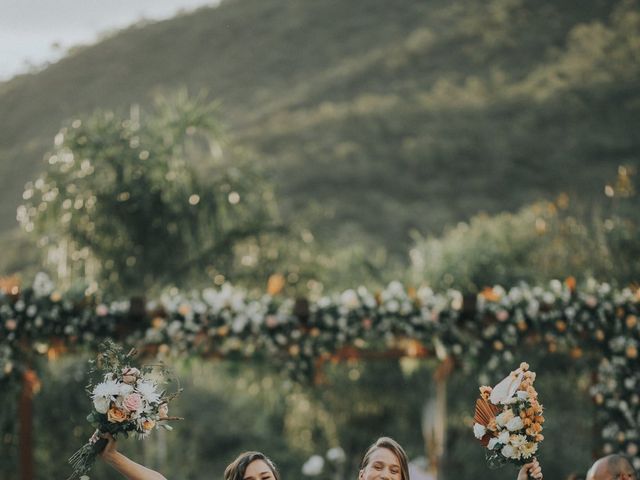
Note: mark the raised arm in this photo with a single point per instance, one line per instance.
(127, 467)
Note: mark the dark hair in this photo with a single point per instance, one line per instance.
(393, 446)
(236, 469)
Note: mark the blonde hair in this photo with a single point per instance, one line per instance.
(390, 444)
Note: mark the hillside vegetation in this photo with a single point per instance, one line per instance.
(373, 118)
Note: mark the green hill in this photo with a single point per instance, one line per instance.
(376, 117)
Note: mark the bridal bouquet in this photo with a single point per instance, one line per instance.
(508, 419)
(125, 400)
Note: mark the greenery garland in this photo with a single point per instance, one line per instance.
(479, 331)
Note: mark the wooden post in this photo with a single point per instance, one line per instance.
(434, 420)
(30, 384)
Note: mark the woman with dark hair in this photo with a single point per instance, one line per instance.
(247, 466)
(251, 466)
(385, 459)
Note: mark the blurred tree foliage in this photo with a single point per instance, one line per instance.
(146, 199)
(540, 242)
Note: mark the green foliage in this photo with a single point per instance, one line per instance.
(542, 241)
(373, 120)
(145, 199)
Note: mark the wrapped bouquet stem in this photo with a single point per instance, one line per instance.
(508, 419)
(125, 400)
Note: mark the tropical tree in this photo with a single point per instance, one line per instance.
(128, 202)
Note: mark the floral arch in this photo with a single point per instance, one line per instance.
(481, 331)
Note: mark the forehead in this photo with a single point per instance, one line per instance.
(382, 454)
(256, 468)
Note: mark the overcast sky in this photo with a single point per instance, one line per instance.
(30, 28)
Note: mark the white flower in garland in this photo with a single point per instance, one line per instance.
(336, 455)
(313, 467)
(349, 299)
(42, 285)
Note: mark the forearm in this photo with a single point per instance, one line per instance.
(131, 469)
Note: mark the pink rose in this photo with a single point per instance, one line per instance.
(11, 324)
(132, 402)
(130, 375)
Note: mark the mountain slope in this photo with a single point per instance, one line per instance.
(373, 117)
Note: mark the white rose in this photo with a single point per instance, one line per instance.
(508, 451)
(515, 424)
(504, 417)
(313, 467)
(101, 404)
(504, 437)
(522, 395)
(479, 430)
(493, 442)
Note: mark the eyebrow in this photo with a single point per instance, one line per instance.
(391, 465)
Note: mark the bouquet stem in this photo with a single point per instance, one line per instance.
(83, 460)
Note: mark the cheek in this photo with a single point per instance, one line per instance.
(370, 473)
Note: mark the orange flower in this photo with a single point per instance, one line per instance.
(489, 294)
(148, 424)
(276, 284)
(115, 415)
(294, 350)
(158, 323)
(570, 282)
(539, 437)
